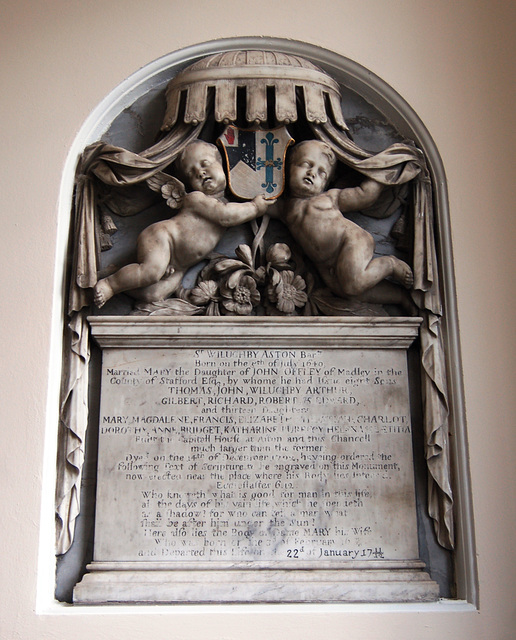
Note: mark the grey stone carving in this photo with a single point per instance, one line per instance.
(341, 250)
(166, 250)
(329, 270)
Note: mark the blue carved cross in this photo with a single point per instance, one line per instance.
(269, 163)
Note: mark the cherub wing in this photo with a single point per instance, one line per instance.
(171, 189)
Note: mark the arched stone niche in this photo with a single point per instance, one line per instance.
(377, 117)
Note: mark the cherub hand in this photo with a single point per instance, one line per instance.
(262, 204)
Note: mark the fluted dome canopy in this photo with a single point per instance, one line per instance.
(256, 72)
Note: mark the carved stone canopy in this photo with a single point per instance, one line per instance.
(260, 74)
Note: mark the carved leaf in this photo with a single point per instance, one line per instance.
(243, 252)
(213, 309)
(169, 307)
(228, 265)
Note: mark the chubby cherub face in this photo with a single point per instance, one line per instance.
(202, 167)
(310, 168)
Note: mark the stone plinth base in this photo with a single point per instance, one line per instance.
(119, 583)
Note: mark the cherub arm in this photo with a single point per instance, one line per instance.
(361, 197)
(171, 189)
(229, 214)
(275, 208)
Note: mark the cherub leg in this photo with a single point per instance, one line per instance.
(386, 292)
(153, 260)
(357, 271)
(162, 289)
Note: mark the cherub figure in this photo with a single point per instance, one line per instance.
(340, 249)
(167, 249)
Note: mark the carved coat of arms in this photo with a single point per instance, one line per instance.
(255, 160)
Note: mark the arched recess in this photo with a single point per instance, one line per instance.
(149, 84)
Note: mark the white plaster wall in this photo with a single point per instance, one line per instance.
(454, 63)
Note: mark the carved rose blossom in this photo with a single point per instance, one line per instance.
(286, 291)
(240, 296)
(206, 293)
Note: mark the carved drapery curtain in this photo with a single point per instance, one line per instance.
(104, 164)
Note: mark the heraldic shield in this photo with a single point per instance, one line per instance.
(255, 161)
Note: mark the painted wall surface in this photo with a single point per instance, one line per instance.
(454, 63)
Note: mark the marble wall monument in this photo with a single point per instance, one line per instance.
(261, 288)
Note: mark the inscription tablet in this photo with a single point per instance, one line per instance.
(276, 469)
(255, 454)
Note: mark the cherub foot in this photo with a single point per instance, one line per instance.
(402, 273)
(102, 292)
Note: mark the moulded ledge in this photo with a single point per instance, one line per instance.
(353, 332)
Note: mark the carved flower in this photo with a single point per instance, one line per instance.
(204, 292)
(240, 295)
(286, 291)
(220, 266)
(278, 255)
